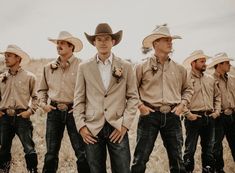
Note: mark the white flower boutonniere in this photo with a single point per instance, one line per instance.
(117, 73)
(154, 69)
(54, 66)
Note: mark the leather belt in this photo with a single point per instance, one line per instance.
(13, 112)
(163, 109)
(62, 106)
(202, 112)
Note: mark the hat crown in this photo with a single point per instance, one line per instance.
(221, 55)
(197, 53)
(13, 46)
(64, 35)
(103, 28)
(162, 30)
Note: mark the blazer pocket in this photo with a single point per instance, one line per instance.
(120, 112)
(90, 114)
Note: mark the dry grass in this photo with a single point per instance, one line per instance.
(158, 162)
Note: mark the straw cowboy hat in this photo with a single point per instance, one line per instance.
(160, 31)
(66, 36)
(19, 52)
(103, 29)
(220, 57)
(197, 54)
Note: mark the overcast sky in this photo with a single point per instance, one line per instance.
(203, 24)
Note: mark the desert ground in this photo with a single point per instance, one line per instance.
(158, 162)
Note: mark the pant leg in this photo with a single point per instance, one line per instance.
(54, 134)
(24, 130)
(7, 133)
(192, 134)
(172, 138)
(218, 147)
(77, 144)
(148, 128)
(120, 156)
(207, 134)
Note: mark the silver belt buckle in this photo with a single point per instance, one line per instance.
(228, 111)
(10, 111)
(165, 109)
(62, 107)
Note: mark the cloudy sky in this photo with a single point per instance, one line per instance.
(203, 24)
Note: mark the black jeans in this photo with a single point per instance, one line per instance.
(170, 129)
(22, 127)
(205, 128)
(225, 126)
(56, 122)
(119, 153)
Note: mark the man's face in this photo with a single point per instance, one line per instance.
(225, 66)
(163, 45)
(104, 44)
(200, 64)
(11, 59)
(64, 48)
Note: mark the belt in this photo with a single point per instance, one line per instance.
(228, 111)
(163, 109)
(62, 106)
(202, 112)
(13, 112)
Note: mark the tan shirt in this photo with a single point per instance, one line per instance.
(58, 84)
(227, 87)
(18, 90)
(162, 84)
(206, 95)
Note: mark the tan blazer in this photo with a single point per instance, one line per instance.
(93, 105)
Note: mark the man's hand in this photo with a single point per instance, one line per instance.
(48, 108)
(87, 136)
(145, 110)
(178, 110)
(117, 135)
(214, 115)
(25, 114)
(193, 117)
(1, 114)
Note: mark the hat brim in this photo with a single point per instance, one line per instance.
(213, 63)
(148, 41)
(74, 41)
(25, 58)
(187, 62)
(116, 36)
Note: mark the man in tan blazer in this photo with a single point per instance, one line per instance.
(105, 103)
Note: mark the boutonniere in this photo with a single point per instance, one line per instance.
(54, 66)
(4, 77)
(154, 69)
(117, 73)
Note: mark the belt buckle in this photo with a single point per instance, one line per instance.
(228, 111)
(10, 111)
(62, 107)
(165, 109)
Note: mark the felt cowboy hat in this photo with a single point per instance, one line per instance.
(19, 52)
(103, 29)
(66, 36)
(220, 57)
(160, 31)
(197, 54)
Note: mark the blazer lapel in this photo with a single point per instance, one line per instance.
(96, 73)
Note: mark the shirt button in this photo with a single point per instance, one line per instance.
(105, 95)
(105, 109)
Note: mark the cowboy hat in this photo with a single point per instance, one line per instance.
(197, 54)
(219, 58)
(103, 29)
(19, 52)
(66, 36)
(160, 31)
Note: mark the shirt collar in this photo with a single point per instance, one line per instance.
(108, 60)
(198, 75)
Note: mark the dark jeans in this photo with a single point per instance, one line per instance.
(119, 153)
(22, 127)
(225, 126)
(56, 122)
(205, 128)
(170, 129)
